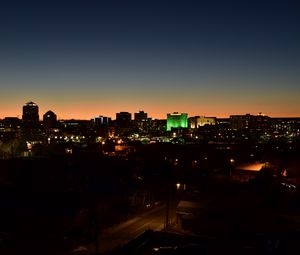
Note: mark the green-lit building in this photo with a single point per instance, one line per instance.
(177, 120)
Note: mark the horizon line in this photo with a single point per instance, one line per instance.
(160, 118)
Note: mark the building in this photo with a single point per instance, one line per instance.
(250, 122)
(200, 121)
(140, 116)
(261, 122)
(240, 121)
(177, 120)
(141, 121)
(30, 116)
(123, 120)
(158, 126)
(76, 127)
(223, 124)
(287, 126)
(101, 121)
(11, 123)
(102, 125)
(49, 120)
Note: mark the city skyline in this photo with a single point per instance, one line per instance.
(215, 58)
(163, 115)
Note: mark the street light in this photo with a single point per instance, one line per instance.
(232, 161)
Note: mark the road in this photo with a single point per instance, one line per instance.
(122, 233)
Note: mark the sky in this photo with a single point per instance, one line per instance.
(83, 58)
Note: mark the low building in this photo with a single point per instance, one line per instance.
(200, 121)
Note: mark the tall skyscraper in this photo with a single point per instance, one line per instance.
(30, 116)
(177, 120)
(50, 120)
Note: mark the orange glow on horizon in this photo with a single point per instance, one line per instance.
(79, 112)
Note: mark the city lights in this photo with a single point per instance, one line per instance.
(149, 127)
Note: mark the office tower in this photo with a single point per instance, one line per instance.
(30, 116)
(123, 119)
(141, 121)
(123, 123)
(177, 120)
(140, 116)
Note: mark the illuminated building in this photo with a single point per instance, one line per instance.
(177, 120)
(142, 121)
(102, 126)
(30, 116)
(101, 121)
(289, 126)
(49, 120)
(200, 121)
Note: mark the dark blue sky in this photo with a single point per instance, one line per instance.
(89, 57)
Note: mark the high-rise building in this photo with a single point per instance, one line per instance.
(30, 116)
(140, 116)
(50, 120)
(123, 123)
(141, 121)
(177, 120)
(123, 119)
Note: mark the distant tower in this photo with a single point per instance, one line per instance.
(141, 121)
(123, 119)
(123, 123)
(30, 116)
(49, 120)
(140, 116)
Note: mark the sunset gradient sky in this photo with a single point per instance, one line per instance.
(90, 57)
